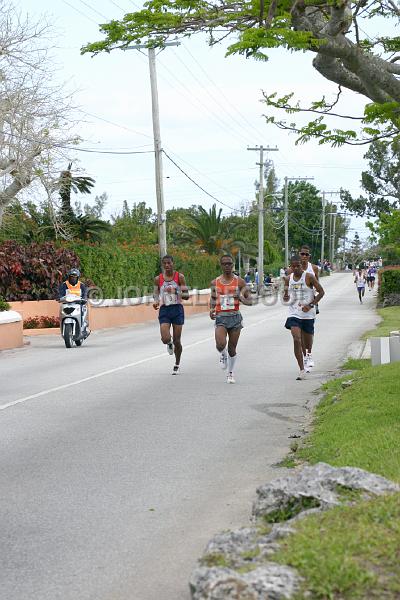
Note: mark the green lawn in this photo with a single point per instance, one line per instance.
(390, 322)
(353, 552)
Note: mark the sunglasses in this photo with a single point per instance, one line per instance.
(224, 264)
(304, 254)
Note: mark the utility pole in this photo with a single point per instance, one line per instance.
(323, 230)
(286, 221)
(161, 217)
(260, 258)
(333, 237)
(330, 251)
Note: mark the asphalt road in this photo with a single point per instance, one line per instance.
(114, 474)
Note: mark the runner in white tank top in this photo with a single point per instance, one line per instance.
(299, 293)
(308, 267)
(360, 281)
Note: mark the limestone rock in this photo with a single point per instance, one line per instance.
(269, 582)
(317, 486)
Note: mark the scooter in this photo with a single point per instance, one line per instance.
(73, 320)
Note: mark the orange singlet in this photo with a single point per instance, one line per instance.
(226, 300)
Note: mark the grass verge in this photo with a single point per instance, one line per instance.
(353, 552)
(390, 322)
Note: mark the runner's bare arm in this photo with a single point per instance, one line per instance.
(183, 286)
(244, 292)
(316, 271)
(286, 296)
(213, 300)
(312, 281)
(156, 293)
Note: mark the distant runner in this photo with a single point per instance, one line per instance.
(360, 282)
(299, 292)
(227, 291)
(169, 291)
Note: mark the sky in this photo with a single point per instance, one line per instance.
(210, 111)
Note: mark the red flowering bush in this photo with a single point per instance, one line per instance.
(33, 272)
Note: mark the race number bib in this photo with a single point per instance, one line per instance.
(227, 302)
(170, 298)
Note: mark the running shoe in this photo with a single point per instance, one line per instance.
(223, 360)
(301, 375)
(170, 348)
(310, 361)
(230, 378)
(307, 366)
(176, 370)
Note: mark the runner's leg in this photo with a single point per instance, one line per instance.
(176, 337)
(298, 351)
(165, 331)
(220, 338)
(233, 338)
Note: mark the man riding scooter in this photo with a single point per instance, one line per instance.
(74, 287)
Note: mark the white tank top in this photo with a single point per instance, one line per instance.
(300, 295)
(360, 280)
(309, 269)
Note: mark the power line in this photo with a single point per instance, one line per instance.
(115, 124)
(220, 90)
(213, 98)
(93, 9)
(197, 184)
(80, 12)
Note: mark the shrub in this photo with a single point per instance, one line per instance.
(389, 285)
(4, 305)
(41, 322)
(34, 271)
(128, 270)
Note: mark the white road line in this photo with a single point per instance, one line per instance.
(111, 371)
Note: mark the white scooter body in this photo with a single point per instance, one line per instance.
(73, 323)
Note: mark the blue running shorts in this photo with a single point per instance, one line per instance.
(306, 325)
(173, 314)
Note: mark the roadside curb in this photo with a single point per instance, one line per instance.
(359, 349)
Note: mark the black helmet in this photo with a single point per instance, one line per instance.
(74, 273)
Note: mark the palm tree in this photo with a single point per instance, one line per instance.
(211, 232)
(67, 182)
(90, 228)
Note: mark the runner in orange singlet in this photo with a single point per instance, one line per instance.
(227, 291)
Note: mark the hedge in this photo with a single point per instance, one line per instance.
(389, 284)
(34, 271)
(121, 271)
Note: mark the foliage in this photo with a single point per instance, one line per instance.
(381, 181)
(4, 305)
(387, 232)
(34, 271)
(68, 183)
(44, 322)
(331, 31)
(28, 222)
(128, 270)
(136, 224)
(389, 283)
(210, 232)
(305, 219)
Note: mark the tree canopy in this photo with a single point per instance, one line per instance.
(333, 31)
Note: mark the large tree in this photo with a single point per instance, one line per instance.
(381, 181)
(35, 116)
(333, 31)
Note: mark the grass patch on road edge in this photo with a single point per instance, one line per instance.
(353, 552)
(390, 322)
